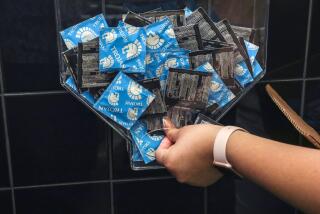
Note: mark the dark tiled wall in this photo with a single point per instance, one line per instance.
(57, 157)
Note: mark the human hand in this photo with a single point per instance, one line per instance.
(187, 153)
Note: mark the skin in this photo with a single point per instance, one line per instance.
(290, 172)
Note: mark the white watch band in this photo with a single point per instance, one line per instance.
(220, 145)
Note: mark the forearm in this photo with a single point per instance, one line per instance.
(290, 172)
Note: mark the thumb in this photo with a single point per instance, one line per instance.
(162, 151)
(170, 130)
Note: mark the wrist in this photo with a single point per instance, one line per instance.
(235, 143)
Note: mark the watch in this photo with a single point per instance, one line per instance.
(220, 146)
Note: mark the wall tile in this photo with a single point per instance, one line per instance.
(73, 12)
(58, 140)
(29, 46)
(287, 38)
(314, 55)
(157, 197)
(6, 202)
(221, 196)
(78, 199)
(4, 178)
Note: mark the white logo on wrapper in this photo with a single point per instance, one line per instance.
(132, 114)
(151, 153)
(208, 67)
(150, 99)
(252, 47)
(215, 86)
(171, 63)
(170, 33)
(86, 34)
(154, 41)
(252, 60)
(159, 71)
(239, 70)
(155, 137)
(113, 98)
(132, 50)
(69, 43)
(134, 91)
(148, 59)
(231, 96)
(107, 62)
(110, 36)
(131, 29)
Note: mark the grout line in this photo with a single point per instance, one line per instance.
(290, 80)
(58, 28)
(5, 189)
(305, 68)
(7, 142)
(103, 5)
(110, 143)
(36, 93)
(142, 179)
(306, 60)
(205, 200)
(129, 180)
(61, 184)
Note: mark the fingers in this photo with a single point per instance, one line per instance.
(162, 151)
(170, 130)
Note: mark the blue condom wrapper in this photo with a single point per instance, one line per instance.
(161, 36)
(252, 51)
(122, 48)
(87, 95)
(136, 155)
(146, 143)
(187, 12)
(242, 73)
(84, 31)
(257, 69)
(158, 63)
(219, 92)
(124, 101)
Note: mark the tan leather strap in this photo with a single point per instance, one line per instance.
(303, 128)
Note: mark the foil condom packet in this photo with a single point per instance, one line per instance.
(124, 101)
(88, 74)
(189, 37)
(219, 93)
(223, 62)
(70, 58)
(207, 28)
(147, 144)
(161, 36)
(122, 48)
(242, 74)
(247, 34)
(157, 110)
(188, 88)
(177, 17)
(84, 31)
(135, 19)
(159, 63)
(230, 37)
(182, 116)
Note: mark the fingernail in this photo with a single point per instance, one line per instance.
(164, 122)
